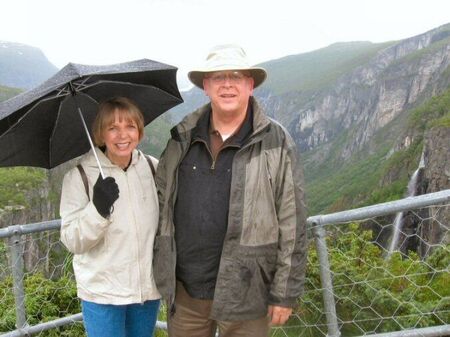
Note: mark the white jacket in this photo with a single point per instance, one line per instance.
(112, 257)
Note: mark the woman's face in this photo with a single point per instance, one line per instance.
(121, 137)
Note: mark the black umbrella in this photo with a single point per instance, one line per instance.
(47, 126)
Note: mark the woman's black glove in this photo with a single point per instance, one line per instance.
(106, 193)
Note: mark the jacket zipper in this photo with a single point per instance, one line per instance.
(213, 163)
(137, 245)
(214, 160)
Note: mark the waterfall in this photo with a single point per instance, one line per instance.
(397, 226)
(398, 221)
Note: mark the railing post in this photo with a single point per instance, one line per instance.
(17, 266)
(325, 278)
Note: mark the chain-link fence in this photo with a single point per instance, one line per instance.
(381, 270)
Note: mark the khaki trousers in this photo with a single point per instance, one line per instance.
(191, 319)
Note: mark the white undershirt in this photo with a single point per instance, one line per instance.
(224, 137)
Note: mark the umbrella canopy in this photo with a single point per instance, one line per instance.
(43, 127)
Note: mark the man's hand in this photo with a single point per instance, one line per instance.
(279, 315)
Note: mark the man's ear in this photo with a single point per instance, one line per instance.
(252, 83)
(205, 86)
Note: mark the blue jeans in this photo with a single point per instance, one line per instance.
(131, 320)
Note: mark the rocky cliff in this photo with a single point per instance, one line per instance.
(371, 96)
(425, 229)
(351, 128)
(436, 177)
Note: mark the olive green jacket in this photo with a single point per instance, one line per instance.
(264, 253)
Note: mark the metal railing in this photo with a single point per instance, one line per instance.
(353, 286)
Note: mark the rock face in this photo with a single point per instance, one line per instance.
(425, 229)
(372, 95)
(437, 154)
(436, 178)
(370, 98)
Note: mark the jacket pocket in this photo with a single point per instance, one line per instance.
(266, 266)
(243, 286)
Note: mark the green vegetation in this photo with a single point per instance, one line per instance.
(16, 182)
(157, 133)
(401, 165)
(7, 92)
(48, 299)
(340, 187)
(371, 290)
(45, 300)
(436, 112)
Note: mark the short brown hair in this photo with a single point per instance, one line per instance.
(125, 107)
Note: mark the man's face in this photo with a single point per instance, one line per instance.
(229, 91)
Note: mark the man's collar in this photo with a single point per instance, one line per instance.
(203, 127)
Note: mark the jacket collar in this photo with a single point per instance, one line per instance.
(89, 158)
(203, 128)
(184, 131)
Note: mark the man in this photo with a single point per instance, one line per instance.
(230, 251)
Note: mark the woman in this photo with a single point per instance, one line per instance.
(109, 224)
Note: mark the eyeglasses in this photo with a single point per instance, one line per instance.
(234, 77)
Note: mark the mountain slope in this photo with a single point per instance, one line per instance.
(7, 92)
(318, 69)
(368, 96)
(380, 171)
(23, 66)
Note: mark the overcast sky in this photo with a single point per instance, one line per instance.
(180, 32)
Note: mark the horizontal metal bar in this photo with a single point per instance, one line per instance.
(30, 228)
(390, 207)
(44, 326)
(433, 331)
(57, 323)
(362, 213)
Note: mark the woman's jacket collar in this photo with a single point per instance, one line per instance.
(89, 158)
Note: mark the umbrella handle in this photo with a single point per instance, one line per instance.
(90, 142)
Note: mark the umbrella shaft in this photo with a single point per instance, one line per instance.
(90, 142)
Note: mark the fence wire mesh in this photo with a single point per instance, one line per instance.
(379, 287)
(48, 281)
(379, 284)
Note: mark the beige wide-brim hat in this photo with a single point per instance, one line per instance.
(227, 57)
